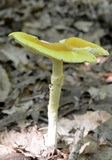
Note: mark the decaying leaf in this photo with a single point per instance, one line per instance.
(14, 54)
(83, 25)
(91, 122)
(5, 150)
(29, 142)
(4, 84)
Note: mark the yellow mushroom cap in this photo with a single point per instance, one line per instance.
(63, 50)
(75, 42)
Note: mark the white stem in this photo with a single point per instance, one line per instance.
(55, 91)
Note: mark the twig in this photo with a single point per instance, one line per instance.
(76, 145)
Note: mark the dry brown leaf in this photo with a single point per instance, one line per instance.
(5, 84)
(29, 142)
(108, 77)
(15, 54)
(5, 150)
(83, 25)
(89, 121)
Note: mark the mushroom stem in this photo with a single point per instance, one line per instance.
(55, 91)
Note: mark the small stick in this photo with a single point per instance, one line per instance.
(78, 141)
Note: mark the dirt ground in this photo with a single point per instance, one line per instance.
(85, 111)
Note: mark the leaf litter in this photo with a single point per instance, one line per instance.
(85, 127)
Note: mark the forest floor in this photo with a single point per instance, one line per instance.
(85, 111)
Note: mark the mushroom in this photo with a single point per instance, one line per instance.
(72, 50)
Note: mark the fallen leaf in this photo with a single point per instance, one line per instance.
(28, 142)
(108, 77)
(15, 54)
(5, 150)
(5, 84)
(83, 25)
